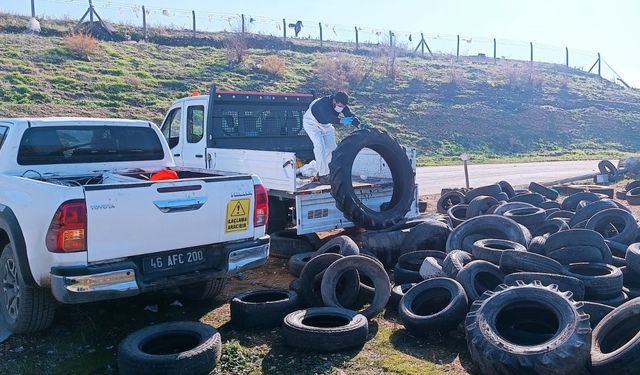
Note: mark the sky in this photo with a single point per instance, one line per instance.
(611, 28)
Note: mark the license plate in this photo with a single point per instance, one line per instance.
(178, 260)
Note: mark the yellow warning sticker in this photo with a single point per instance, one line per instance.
(237, 215)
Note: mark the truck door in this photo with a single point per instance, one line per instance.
(194, 144)
(171, 131)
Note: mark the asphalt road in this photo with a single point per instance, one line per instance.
(432, 179)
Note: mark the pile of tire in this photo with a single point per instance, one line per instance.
(540, 286)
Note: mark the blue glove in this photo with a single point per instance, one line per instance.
(346, 120)
(364, 126)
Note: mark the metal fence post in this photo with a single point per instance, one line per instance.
(320, 26)
(284, 30)
(144, 22)
(458, 49)
(566, 49)
(33, 8)
(242, 23)
(494, 51)
(599, 60)
(390, 38)
(91, 12)
(193, 14)
(357, 44)
(531, 46)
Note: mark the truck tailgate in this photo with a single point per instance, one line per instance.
(142, 218)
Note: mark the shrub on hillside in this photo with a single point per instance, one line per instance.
(81, 45)
(522, 78)
(273, 65)
(338, 72)
(235, 45)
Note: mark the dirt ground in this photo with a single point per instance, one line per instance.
(84, 338)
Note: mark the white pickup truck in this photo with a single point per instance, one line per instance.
(95, 209)
(262, 134)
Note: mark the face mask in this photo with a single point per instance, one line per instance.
(338, 109)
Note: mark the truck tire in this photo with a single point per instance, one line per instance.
(632, 257)
(591, 209)
(549, 227)
(544, 191)
(311, 281)
(530, 217)
(529, 262)
(507, 189)
(448, 200)
(480, 206)
(491, 249)
(564, 283)
(633, 196)
(342, 245)
(457, 215)
(601, 221)
(428, 235)
(596, 311)
(362, 265)
(396, 295)
(570, 203)
(615, 347)
(23, 307)
(501, 209)
(488, 190)
(579, 237)
(479, 276)
(547, 205)
(286, 243)
(203, 290)
(607, 167)
(528, 329)
(325, 329)
(407, 269)
(434, 305)
(170, 348)
(531, 198)
(297, 262)
(262, 308)
(454, 262)
(537, 245)
(401, 171)
(601, 281)
(487, 226)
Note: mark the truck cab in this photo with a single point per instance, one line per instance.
(262, 133)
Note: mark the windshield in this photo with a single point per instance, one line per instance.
(88, 144)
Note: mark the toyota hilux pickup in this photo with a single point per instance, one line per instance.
(96, 209)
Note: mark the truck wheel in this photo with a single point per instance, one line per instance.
(24, 308)
(401, 171)
(203, 290)
(286, 243)
(170, 348)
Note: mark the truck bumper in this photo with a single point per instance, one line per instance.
(126, 278)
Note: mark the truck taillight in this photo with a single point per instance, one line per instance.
(68, 229)
(261, 206)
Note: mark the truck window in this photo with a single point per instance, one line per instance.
(3, 134)
(88, 144)
(257, 122)
(195, 123)
(171, 127)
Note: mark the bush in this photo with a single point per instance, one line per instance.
(235, 45)
(273, 65)
(81, 45)
(523, 79)
(339, 71)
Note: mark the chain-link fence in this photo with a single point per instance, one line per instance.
(153, 18)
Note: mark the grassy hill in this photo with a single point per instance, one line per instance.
(509, 110)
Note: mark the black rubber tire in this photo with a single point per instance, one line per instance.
(170, 348)
(401, 171)
(621, 194)
(633, 196)
(579, 237)
(601, 281)
(448, 200)
(479, 276)
(564, 283)
(287, 243)
(562, 214)
(531, 198)
(262, 308)
(454, 262)
(296, 286)
(498, 347)
(577, 254)
(596, 311)
(428, 235)
(549, 227)
(311, 281)
(529, 262)
(457, 215)
(480, 205)
(435, 305)
(571, 202)
(396, 295)
(530, 217)
(342, 245)
(487, 226)
(35, 306)
(537, 245)
(632, 257)
(591, 209)
(386, 244)
(491, 250)
(297, 262)
(507, 206)
(607, 167)
(507, 188)
(489, 190)
(544, 191)
(615, 346)
(325, 329)
(203, 290)
(617, 249)
(363, 265)
(615, 301)
(632, 185)
(407, 269)
(600, 221)
(547, 205)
